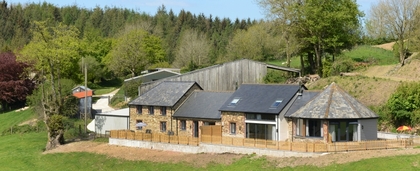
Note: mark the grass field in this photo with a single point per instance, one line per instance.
(13, 118)
(24, 152)
(366, 53)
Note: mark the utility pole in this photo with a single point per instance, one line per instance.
(86, 89)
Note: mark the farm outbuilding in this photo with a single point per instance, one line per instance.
(223, 77)
(112, 120)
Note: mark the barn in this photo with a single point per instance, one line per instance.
(223, 77)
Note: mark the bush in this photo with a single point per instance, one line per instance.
(39, 126)
(404, 104)
(345, 65)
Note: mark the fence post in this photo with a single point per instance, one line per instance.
(313, 147)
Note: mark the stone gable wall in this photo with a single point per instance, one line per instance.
(233, 117)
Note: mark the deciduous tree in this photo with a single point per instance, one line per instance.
(15, 83)
(193, 48)
(54, 52)
(397, 18)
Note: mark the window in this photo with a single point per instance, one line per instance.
(139, 108)
(163, 126)
(276, 103)
(183, 125)
(314, 128)
(163, 110)
(269, 117)
(299, 127)
(209, 123)
(151, 110)
(232, 128)
(234, 102)
(139, 127)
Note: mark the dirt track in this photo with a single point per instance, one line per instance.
(130, 153)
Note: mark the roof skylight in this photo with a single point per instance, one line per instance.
(234, 102)
(277, 103)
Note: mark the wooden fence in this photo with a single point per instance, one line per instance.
(269, 144)
(162, 138)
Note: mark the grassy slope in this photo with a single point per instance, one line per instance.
(369, 91)
(13, 118)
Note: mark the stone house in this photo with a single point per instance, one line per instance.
(157, 106)
(329, 116)
(257, 111)
(201, 108)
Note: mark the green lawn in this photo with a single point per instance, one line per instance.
(24, 152)
(13, 118)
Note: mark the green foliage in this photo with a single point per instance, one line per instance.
(134, 51)
(342, 65)
(55, 124)
(327, 67)
(404, 104)
(26, 128)
(131, 88)
(275, 76)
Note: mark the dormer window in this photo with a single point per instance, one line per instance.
(234, 102)
(277, 103)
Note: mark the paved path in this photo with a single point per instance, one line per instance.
(102, 103)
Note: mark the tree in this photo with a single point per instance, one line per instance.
(321, 26)
(193, 48)
(256, 43)
(15, 83)
(397, 18)
(134, 51)
(54, 52)
(404, 104)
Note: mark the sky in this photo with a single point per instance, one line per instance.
(241, 9)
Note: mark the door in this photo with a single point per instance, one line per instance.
(195, 132)
(343, 130)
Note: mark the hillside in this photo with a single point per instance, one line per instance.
(375, 84)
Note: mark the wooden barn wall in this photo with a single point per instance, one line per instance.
(222, 77)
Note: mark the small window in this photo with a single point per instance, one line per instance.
(151, 110)
(183, 125)
(232, 128)
(139, 127)
(139, 108)
(163, 110)
(163, 126)
(234, 102)
(276, 103)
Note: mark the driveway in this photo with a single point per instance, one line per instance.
(102, 104)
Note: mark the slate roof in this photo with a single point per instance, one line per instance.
(203, 105)
(301, 101)
(167, 93)
(334, 103)
(259, 98)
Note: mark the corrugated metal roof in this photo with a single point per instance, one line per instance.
(120, 112)
(260, 98)
(166, 93)
(202, 104)
(334, 103)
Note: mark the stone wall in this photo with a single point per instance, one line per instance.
(295, 138)
(233, 117)
(152, 121)
(209, 148)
